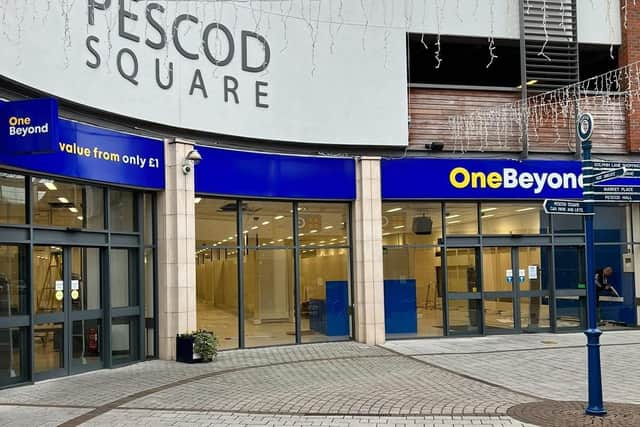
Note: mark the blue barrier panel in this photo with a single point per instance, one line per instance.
(337, 308)
(400, 316)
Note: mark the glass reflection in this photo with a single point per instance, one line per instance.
(217, 294)
(513, 218)
(48, 279)
(268, 297)
(270, 224)
(413, 291)
(461, 218)
(12, 198)
(13, 288)
(411, 223)
(58, 203)
(216, 223)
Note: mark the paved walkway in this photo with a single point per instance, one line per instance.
(419, 382)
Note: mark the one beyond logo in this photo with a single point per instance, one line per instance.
(21, 126)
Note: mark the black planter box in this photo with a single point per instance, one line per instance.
(184, 350)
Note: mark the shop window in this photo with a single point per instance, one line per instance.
(64, 204)
(268, 297)
(147, 215)
(568, 224)
(121, 211)
(413, 291)
(122, 278)
(513, 218)
(411, 223)
(461, 218)
(48, 267)
(86, 278)
(612, 223)
(124, 339)
(13, 356)
(216, 224)
(616, 303)
(217, 294)
(597, 59)
(324, 271)
(13, 286)
(12, 198)
(149, 302)
(270, 224)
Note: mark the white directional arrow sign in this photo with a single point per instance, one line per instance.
(605, 176)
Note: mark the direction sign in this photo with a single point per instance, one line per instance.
(635, 173)
(604, 176)
(614, 189)
(606, 164)
(565, 207)
(607, 197)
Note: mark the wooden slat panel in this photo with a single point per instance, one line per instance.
(431, 109)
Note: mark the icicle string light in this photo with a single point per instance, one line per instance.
(607, 95)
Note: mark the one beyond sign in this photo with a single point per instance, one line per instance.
(28, 126)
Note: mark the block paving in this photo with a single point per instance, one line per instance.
(501, 381)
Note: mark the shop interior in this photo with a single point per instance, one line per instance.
(268, 271)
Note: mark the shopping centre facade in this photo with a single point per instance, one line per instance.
(232, 169)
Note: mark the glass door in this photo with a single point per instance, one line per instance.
(67, 300)
(516, 282)
(500, 283)
(464, 297)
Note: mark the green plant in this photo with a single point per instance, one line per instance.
(205, 344)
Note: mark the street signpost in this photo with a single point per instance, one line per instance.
(595, 405)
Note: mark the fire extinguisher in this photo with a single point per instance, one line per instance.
(92, 340)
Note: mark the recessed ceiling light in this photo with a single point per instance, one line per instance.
(63, 200)
(266, 223)
(453, 216)
(313, 231)
(524, 209)
(80, 218)
(488, 209)
(50, 185)
(393, 210)
(453, 222)
(328, 227)
(397, 227)
(488, 216)
(74, 210)
(255, 227)
(278, 217)
(197, 200)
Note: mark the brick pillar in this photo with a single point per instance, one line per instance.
(628, 54)
(367, 253)
(176, 251)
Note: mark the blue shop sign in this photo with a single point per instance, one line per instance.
(250, 174)
(475, 179)
(91, 153)
(29, 126)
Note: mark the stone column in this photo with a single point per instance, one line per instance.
(176, 250)
(367, 253)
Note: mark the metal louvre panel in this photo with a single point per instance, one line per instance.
(551, 43)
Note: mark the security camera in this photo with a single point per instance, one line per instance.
(186, 168)
(194, 156)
